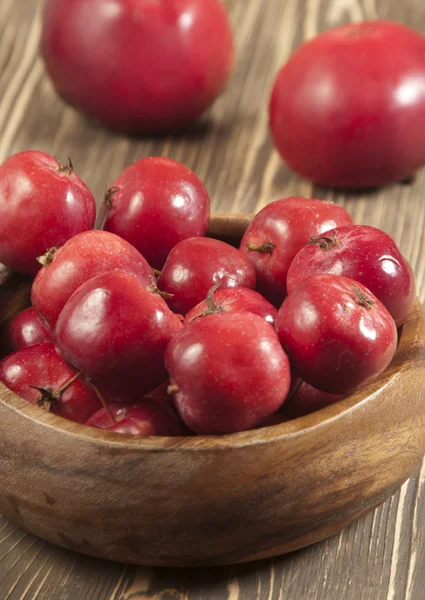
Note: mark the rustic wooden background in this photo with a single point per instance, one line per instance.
(383, 555)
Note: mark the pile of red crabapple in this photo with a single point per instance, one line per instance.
(145, 326)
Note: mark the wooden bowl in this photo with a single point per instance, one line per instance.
(213, 500)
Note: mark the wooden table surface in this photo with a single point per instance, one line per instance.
(383, 555)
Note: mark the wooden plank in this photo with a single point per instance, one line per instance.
(381, 557)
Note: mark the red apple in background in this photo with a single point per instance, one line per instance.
(348, 108)
(42, 204)
(154, 204)
(139, 66)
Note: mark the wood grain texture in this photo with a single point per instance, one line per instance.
(380, 557)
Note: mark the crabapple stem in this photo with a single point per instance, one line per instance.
(362, 299)
(266, 248)
(154, 289)
(172, 390)
(324, 242)
(211, 307)
(294, 390)
(48, 398)
(156, 272)
(108, 196)
(68, 168)
(66, 385)
(105, 405)
(46, 259)
(45, 399)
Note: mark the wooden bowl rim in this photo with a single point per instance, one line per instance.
(294, 428)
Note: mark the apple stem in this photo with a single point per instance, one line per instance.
(266, 248)
(105, 404)
(211, 305)
(362, 298)
(68, 168)
(154, 289)
(324, 242)
(46, 398)
(108, 196)
(49, 398)
(156, 272)
(66, 385)
(294, 390)
(46, 259)
(172, 390)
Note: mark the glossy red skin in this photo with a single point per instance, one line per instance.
(85, 256)
(308, 399)
(236, 300)
(335, 343)
(157, 202)
(116, 332)
(197, 264)
(230, 370)
(40, 366)
(138, 66)
(120, 409)
(348, 108)
(148, 417)
(100, 419)
(288, 223)
(132, 427)
(40, 207)
(367, 255)
(23, 330)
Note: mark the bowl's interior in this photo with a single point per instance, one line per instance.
(14, 296)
